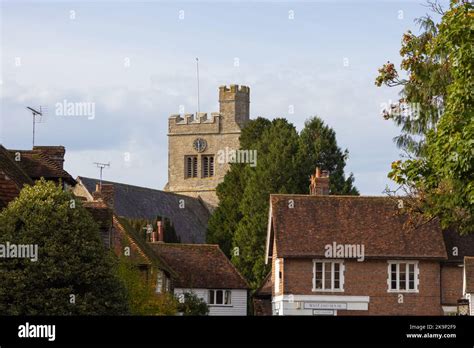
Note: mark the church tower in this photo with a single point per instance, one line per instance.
(194, 142)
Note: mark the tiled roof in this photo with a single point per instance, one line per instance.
(469, 274)
(134, 202)
(37, 164)
(458, 246)
(12, 178)
(202, 266)
(375, 222)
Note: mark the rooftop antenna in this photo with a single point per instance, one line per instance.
(197, 71)
(35, 113)
(101, 166)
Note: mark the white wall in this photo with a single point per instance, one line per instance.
(239, 301)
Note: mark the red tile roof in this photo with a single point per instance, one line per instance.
(375, 222)
(202, 266)
(37, 164)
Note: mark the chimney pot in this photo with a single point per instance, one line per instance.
(160, 231)
(319, 184)
(318, 172)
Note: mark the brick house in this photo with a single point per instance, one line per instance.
(353, 255)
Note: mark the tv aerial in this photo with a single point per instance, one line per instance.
(37, 118)
(101, 166)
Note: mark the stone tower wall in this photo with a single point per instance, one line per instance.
(220, 130)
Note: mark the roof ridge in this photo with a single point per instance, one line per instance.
(138, 187)
(135, 202)
(329, 196)
(46, 160)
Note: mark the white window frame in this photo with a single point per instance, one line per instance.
(277, 275)
(224, 291)
(398, 263)
(341, 275)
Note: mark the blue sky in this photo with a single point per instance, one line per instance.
(62, 50)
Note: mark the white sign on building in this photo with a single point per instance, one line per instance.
(325, 305)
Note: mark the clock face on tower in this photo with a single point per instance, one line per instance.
(199, 144)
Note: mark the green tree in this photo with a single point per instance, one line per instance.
(423, 90)
(74, 274)
(142, 298)
(224, 220)
(318, 148)
(191, 304)
(276, 172)
(441, 179)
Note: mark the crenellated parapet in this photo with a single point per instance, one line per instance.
(234, 105)
(204, 123)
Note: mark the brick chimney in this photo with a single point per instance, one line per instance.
(319, 183)
(55, 153)
(106, 193)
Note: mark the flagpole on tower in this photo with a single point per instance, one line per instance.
(197, 71)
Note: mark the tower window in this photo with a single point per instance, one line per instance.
(190, 166)
(207, 166)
